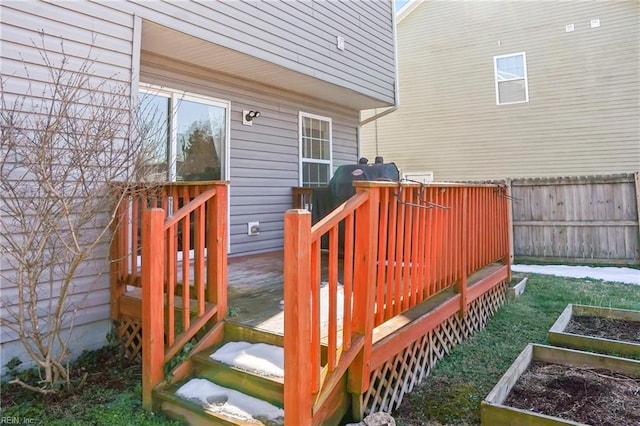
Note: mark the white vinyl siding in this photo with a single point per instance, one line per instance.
(511, 78)
(315, 150)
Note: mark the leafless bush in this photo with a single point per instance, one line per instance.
(63, 147)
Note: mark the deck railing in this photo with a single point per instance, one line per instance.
(178, 255)
(389, 248)
(302, 197)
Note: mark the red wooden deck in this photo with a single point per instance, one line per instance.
(374, 294)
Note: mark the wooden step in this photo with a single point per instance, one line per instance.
(270, 389)
(194, 412)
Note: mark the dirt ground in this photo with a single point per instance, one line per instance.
(607, 328)
(592, 396)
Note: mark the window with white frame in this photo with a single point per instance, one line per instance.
(315, 150)
(511, 78)
(185, 135)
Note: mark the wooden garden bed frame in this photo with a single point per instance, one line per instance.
(557, 335)
(495, 413)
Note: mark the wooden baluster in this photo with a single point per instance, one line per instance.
(297, 317)
(428, 255)
(171, 283)
(407, 253)
(316, 270)
(391, 236)
(398, 261)
(382, 250)
(333, 297)
(198, 258)
(152, 302)
(347, 281)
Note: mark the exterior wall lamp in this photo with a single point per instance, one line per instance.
(248, 116)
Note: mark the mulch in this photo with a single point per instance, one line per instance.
(608, 328)
(593, 396)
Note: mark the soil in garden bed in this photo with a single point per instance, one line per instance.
(608, 328)
(592, 396)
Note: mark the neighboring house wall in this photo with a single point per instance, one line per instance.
(279, 58)
(584, 91)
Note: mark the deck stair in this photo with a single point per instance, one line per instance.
(237, 382)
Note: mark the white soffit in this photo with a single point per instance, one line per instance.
(173, 44)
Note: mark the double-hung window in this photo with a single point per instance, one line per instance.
(185, 136)
(511, 78)
(315, 150)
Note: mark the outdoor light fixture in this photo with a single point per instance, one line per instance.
(248, 116)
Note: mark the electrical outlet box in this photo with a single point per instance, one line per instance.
(253, 228)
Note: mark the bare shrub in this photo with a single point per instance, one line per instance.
(64, 145)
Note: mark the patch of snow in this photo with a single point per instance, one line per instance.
(220, 400)
(260, 358)
(619, 275)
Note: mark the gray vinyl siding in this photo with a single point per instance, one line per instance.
(300, 36)
(584, 91)
(264, 163)
(295, 35)
(85, 30)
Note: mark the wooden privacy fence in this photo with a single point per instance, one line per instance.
(389, 248)
(585, 219)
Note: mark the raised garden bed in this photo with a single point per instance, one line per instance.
(555, 386)
(517, 286)
(607, 330)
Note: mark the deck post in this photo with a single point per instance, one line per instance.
(297, 318)
(217, 245)
(116, 285)
(152, 302)
(464, 252)
(364, 287)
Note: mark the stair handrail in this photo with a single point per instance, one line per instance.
(159, 253)
(312, 384)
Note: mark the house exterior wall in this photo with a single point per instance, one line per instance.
(264, 157)
(584, 96)
(298, 36)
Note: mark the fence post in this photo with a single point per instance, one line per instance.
(297, 318)
(152, 302)
(364, 288)
(217, 251)
(464, 250)
(509, 223)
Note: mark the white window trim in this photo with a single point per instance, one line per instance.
(526, 79)
(176, 96)
(302, 159)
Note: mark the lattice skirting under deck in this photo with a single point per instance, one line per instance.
(130, 334)
(400, 374)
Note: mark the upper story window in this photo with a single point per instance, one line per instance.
(315, 150)
(511, 78)
(186, 136)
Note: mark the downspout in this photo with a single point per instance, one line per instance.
(396, 103)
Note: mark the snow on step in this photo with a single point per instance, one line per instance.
(220, 400)
(260, 358)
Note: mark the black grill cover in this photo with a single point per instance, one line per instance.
(341, 184)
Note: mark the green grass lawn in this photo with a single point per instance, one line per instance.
(450, 395)
(453, 391)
